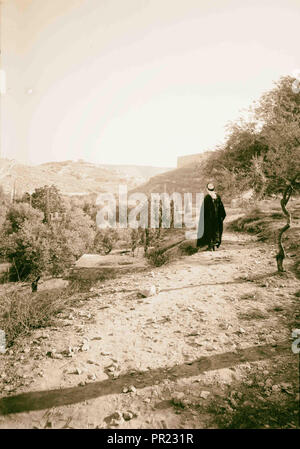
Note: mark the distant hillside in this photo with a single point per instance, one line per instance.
(190, 178)
(142, 172)
(71, 177)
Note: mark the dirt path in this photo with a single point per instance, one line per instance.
(127, 362)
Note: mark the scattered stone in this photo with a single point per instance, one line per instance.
(148, 291)
(53, 354)
(132, 389)
(85, 346)
(114, 423)
(204, 394)
(287, 388)
(178, 397)
(92, 362)
(269, 383)
(92, 377)
(128, 416)
(116, 415)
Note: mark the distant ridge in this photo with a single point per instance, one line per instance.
(72, 177)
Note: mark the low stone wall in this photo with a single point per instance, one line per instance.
(94, 267)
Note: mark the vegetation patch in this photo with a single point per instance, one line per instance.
(253, 314)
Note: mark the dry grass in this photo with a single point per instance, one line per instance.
(255, 221)
(266, 220)
(253, 314)
(23, 311)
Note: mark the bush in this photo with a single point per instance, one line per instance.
(20, 312)
(157, 257)
(188, 248)
(34, 246)
(105, 240)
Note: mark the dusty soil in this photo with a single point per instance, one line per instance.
(212, 345)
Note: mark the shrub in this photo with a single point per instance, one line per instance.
(157, 257)
(20, 312)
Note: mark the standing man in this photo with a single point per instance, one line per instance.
(214, 215)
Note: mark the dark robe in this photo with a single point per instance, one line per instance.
(214, 214)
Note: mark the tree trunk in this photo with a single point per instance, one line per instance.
(280, 256)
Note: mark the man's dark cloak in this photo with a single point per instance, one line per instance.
(214, 214)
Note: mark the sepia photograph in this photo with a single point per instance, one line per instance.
(150, 217)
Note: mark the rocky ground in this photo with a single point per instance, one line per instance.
(211, 348)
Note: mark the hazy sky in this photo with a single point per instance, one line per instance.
(136, 81)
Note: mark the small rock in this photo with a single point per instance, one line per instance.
(287, 387)
(85, 347)
(92, 377)
(132, 389)
(117, 415)
(178, 397)
(269, 382)
(127, 416)
(204, 394)
(114, 423)
(148, 291)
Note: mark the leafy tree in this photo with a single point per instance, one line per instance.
(70, 239)
(104, 240)
(17, 214)
(48, 200)
(26, 248)
(34, 246)
(244, 142)
(279, 112)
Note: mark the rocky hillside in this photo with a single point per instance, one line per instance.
(190, 178)
(71, 177)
